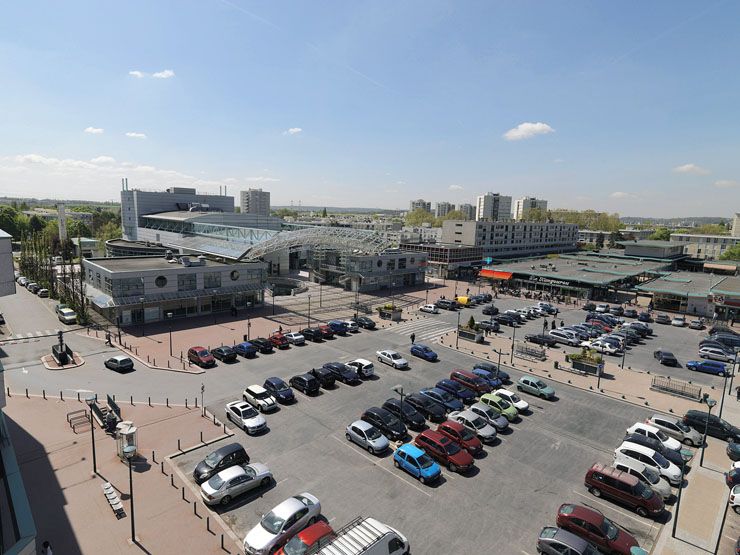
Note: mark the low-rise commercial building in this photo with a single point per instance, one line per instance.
(705, 247)
(511, 239)
(592, 236)
(696, 294)
(652, 249)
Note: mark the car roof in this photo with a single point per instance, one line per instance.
(454, 425)
(362, 424)
(643, 426)
(636, 447)
(434, 435)
(467, 414)
(363, 361)
(244, 344)
(239, 404)
(586, 513)
(288, 507)
(466, 373)
(378, 411)
(614, 473)
(411, 449)
(121, 357)
(231, 472)
(197, 347)
(275, 380)
(230, 448)
(256, 389)
(312, 533)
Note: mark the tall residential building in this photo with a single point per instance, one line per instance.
(468, 211)
(420, 203)
(524, 205)
(255, 201)
(493, 207)
(444, 208)
(736, 225)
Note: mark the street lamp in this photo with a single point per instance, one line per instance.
(90, 400)
(169, 317)
(624, 355)
(309, 312)
(129, 451)
(710, 405)
(513, 338)
(143, 317)
(399, 389)
(457, 335)
(678, 499)
(249, 327)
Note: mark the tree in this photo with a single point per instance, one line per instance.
(536, 215)
(587, 219)
(452, 215)
(733, 253)
(471, 323)
(9, 221)
(107, 232)
(420, 216)
(661, 234)
(323, 212)
(78, 228)
(600, 241)
(36, 224)
(614, 238)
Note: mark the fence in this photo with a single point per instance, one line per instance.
(529, 352)
(676, 387)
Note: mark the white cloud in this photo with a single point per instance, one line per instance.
(691, 168)
(293, 131)
(527, 130)
(164, 74)
(103, 160)
(726, 184)
(136, 73)
(94, 130)
(261, 179)
(135, 135)
(558, 160)
(400, 183)
(455, 187)
(621, 195)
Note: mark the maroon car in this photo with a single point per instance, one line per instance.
(326, 331)
(444, 450)
(475, 383)
(201, 356)
(279, 340)
(593, 526)
(460, 434)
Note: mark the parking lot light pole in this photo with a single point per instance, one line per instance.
(169, 318)
(734, 370)
(678, 499)
(513, 338)
(249, 327)
(710, 404)
(457, 335)
(129, 453)
(624, 355)
(143, 318)
(725, 391)
(399, 389)
(309, 312)
(90, 400)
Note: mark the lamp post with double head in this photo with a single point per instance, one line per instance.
(90, 400)
(399, 389)
(129, 452)
(143, 315)
(710, 405)
(169, 319)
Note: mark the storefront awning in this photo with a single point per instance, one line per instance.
(495, 274)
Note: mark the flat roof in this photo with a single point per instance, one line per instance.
(650, 243)
(133, 263)
(693, 284)
(4, 234)
(728, 286)
(177, 215)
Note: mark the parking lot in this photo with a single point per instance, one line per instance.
(514, 490)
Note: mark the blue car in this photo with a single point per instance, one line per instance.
(490, 378)
(279, 389)
(456, 389)
(441, 397)
(422, 351)
(493, 369)
(245, 349)
(338, 326)
(707, 366)
(417, 463)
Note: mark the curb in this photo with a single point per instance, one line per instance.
(45, 360)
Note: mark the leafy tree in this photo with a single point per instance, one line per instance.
(587, 219)
(614, 238)
(420, 216)
(109, 231)
(284, 213)
(9, 221)
(661, 234)
(600, 241)
(78, 228)
(733, 253)
(452, 215)
(536, 215)
(471, 323)
(36, 224)
(323, 212)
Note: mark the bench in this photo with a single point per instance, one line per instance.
(115, 502)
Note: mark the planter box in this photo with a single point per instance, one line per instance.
(393, 315)
(587, 367)
(469, 335)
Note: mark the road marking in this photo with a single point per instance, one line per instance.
(281, 481)
(596, 500)
(375, 462)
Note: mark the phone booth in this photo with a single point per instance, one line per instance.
(125, 437)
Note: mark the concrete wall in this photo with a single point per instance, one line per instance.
(7, 277)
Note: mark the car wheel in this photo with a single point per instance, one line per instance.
(395, 463)
(265, 482)
(641, 511)
(349, 438)
(370, 450)
(596, 492)
(736, 508)
(226, 500)
(543, 396)
(422, 480)
(690, 442)
(452, 467)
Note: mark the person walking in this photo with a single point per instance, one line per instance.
(413, 338)
(46, 548)
(737, 392)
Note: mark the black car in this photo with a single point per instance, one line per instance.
(488, 297)
(426, 407)
(716, 345)
(224, 353)
(324, 376)
(645, 317)
(715, 426)
(506, 319)
(630, 313)
(589, 307)
(491, 325)
(490, 310)
(616, 310)
(411, 417)
(263, 345)
(663, 319)
(665, 357)
(729, 340)
(2, 319)
(541, 339)
(390, 426)
(721, 329)
(446, 304)
(733, 451)
(305, 383)
(364, 322)
(312, 334)
(656, 445)
(220, 459)
(279, 389)
(342, 372)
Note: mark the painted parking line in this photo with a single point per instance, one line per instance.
(648, 524)
(375, 462)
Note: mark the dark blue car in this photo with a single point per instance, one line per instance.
(245, 349)
(493, 369)
(443, 398)
(490, 378)
(457, 390)
(422, 351)
(707, 366)
(279, 389)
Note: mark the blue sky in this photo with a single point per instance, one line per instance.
(618, 106)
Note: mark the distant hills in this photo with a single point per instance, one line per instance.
(686, 222)
(337, 209)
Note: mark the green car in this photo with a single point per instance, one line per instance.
(535, 386)
(501, 405)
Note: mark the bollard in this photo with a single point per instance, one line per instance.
(208, 523)
(8, 389)
(183, 493)
(168, 402)
(26, 393)
(132, 400)
(224, 428)
(150, 401)
(61, 396)
(78, 396)
(222, 542)
(196, 402)
(96, 397)
(114, 397)
(153, 459)
(43, 393)
(168, 363)
(201, 437)
(195, 508)
(147, 359)
(186, 402)
(161, 467)
(172, 480)
(178, 444)
(214, 419)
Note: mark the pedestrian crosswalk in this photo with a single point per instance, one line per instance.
(28, 336)
(427, 330)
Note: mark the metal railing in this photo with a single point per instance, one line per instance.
(676, 387)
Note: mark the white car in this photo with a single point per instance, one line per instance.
(352, 326)
(234, 481)
(713, 353)
(392, 358)
(364, 368)
(67, 316)
(282, 523)
(735, 499)
(520, 404)
(430, 308)
(654, 433)
(603, 308)
(246, 417)
(259, 398)
(603, 347)
(647, 474)
(475, 423)
(675, 428)
(295, 338)
(678, 321)
(633, 452)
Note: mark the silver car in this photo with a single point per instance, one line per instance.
(246, 417)
(494, 418)
(295, 338)
(235, 481)
(367, 436)
(476, 424)
(282, 523)
(675, 427)
(648, 475)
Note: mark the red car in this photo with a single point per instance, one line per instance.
(312, 539)
(460, 434)
(279, 340)
(594, 527)
(475, 383)
(201, 356)
(444, 450)
(326, 331)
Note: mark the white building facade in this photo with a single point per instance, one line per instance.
(493, 207)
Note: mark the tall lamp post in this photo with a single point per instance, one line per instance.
(90, 400)
(678, 499)
(143, 316)
(169, 318)
(710, 405)
(309, 312)
(129, 452)
(249, 327)
(457, 335)
(513, 338)
(399, 389)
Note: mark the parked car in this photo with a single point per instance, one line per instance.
(246, 417)
(490, 310)
(708, 367)
(279, 340)
(201, 356)
(535, 386)
(259, 398)
(405, 412)
(386, 422)
(662, 319)
(541, 339)
(493, 369)
(445, 451)
(732, 478)
(733, 451)
(647, 474)
(216, 461)
(416, 462)
(446, 304)
(519, 404)
(456, 390)
(119, 363)
(224, 353)
(678, 321)
(367, 436)
(676, 428)
(309, 540)
(665, 357)
(235, 481)
(629, 313)
(636, 452)
(489, 377)
(734, 502)
(263, 345)
(717, 345)
(305, 383)
(470, 380)
(696, 325)
(280, 390)
(338, 326)
(645, 317)
(422, 351)
(462, 435)
(392, 358)
(493, 416)
(364, 368)
(715, 426)
(430, 410)
(440, 396)
(491, 326)
(565, 336)
(675, 457)
(343, 372)
(326, 331)
(295, 338)
(616, 310)
(476, 424)
(506, 320)
(553, 541)
(501, 405)
(58, 308)
(364, 322)
(352, 326)
(716, 354)
(548, 307)
(591, 525)
(429, 308)
(655, 433)
(33, 287)
(282, 523)
(602, 308)
(603, 347)
(67, 316)
(43, 293)
(312, 334)
(245, 349)
(589, 307)
(606, 481)
(324, 376)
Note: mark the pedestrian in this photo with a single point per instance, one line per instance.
(562, 324)
(553, 324)
(467, 291)
(732, 321)
(737, 392)
(46, 548)
(413, 338)
(280, 329)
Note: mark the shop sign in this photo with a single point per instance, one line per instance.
(539, 279)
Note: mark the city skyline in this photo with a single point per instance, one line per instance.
(603, 111)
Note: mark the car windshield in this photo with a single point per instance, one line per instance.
(644, 491)
(540, 384)
(504, 404)
(609, 529)
(392, 421)
(452, 448)
(466, 434)
(249, 412)
(372, 434)
(661, 460)
(272, 523)
(212, 459)
(408, 410)
(203, 353)
(281, 386)
(295, 546)
(395, 356)
(651, 475)
(661, 436)
(215, 483)
(514, 398)
(261, 395)
(681, 426)
(478, 423)
(425, 461)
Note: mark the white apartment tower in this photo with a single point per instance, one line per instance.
(493, 207)
(468, 211)
(524, 205)
(255, 201)
(444, 208)
(420, 203)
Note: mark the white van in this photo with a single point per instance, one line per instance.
(633, 452)
(67, 316)
(367, 536)
(565, 336)
(647, 474)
